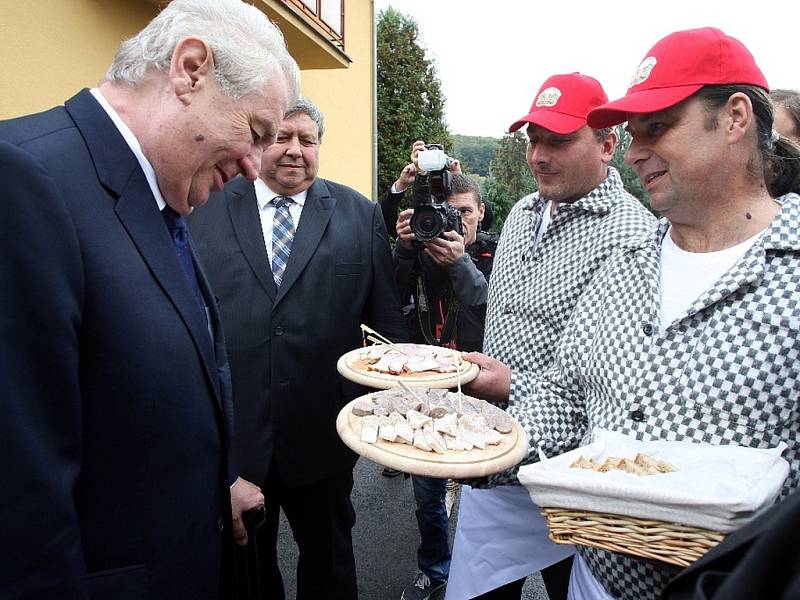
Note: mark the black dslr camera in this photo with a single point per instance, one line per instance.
(432, 215)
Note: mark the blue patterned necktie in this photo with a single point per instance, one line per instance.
(282, 236)
(180, 237)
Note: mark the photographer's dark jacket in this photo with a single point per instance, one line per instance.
(467, 280)
(464, 284)
(390, 206)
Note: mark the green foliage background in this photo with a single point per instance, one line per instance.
(510, 178)
(410, 100)
(629, 177)
(475, 153)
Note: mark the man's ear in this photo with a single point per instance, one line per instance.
(738, 117)
(191, 67)
(609, 146)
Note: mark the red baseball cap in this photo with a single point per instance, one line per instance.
(562, 103)
(677, 67)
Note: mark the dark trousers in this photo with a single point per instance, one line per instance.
(321, 517)
(556, 580)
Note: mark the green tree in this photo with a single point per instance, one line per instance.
(510, 178)
(475, 152)
(630, 180)
(410, 100)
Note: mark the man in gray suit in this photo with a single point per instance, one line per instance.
(298, 263)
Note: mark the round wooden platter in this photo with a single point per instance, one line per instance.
(452, 464)
(351, 367)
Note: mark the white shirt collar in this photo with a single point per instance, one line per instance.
(133, 144)
(264, 194)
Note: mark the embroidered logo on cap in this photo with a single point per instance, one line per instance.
(548, 97)
(644, 70)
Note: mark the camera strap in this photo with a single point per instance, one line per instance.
(424, 315)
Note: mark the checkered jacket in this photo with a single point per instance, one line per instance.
(532, 293)
(726, 371)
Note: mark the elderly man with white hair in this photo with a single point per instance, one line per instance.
(116, 394)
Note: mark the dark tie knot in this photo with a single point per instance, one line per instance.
(173, 219)
(281, 201)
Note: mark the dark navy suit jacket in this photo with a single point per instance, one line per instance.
(115, 400)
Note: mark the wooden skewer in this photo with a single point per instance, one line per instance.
(383, 339)
(392, 346)
(408, 389)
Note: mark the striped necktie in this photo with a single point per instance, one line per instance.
(282, 236)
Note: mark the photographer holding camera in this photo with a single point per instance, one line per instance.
(442, 269)
(390, 202)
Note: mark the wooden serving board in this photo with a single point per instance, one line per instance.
(453, 464)
(351, 367)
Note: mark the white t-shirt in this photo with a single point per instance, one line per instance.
(686, 275)
(546, 218)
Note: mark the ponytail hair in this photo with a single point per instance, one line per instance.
(777, 159)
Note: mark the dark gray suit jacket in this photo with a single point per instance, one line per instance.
(283, 344)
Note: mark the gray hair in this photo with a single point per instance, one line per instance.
(307, 107)
(246, 46)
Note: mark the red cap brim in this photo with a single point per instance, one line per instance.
(550, 120)
(644, 101)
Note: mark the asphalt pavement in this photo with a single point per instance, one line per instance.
(385, 538)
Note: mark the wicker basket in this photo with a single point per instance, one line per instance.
(657, 540)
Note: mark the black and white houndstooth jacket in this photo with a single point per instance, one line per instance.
(726, 371)
(533, 293)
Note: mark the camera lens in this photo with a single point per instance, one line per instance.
(427, 223)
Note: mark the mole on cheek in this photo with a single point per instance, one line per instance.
(199, 137)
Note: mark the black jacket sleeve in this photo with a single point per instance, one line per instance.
(390, 205)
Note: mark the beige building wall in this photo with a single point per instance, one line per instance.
(53, 48)
(345, 97)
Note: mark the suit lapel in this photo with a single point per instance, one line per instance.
(243, 208)
(148, 232)
(314, 220)
(136, 208)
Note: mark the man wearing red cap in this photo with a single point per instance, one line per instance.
(553, 242)
(691, 331)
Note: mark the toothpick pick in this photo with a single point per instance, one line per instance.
(390, 345)
(408, 389)
(376, 334)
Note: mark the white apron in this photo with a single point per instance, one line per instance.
(500, 537)
(583, 585)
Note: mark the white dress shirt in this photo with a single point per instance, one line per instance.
(133, 144)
